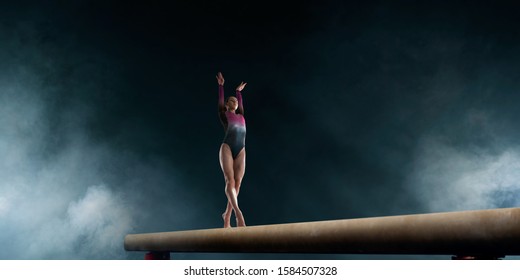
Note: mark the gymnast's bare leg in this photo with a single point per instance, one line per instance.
(233, 170)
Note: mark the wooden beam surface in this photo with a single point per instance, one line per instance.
(483, 232)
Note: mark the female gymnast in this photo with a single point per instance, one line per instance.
(232, 152)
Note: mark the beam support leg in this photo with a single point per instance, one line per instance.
(154, 255)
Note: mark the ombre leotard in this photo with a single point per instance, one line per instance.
(234, 123)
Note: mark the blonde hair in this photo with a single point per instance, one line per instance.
(230, 97)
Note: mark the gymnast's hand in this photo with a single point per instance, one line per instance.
(241, 86)
(220, 79)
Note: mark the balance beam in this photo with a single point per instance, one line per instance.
(491, 233)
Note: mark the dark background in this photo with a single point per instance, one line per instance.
(353, 109)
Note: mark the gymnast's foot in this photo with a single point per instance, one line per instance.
(227, 219)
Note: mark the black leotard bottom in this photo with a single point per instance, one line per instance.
(235, 139)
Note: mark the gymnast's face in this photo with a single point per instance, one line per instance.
(232, 103)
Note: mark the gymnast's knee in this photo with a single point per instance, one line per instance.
(230, 183)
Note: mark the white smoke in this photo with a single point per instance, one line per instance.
(4, 206)
(93, 227)
(67, 195)
(447, 177)
(53, 205)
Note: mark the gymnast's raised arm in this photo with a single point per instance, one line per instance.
(220, 81)
(240, 87)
